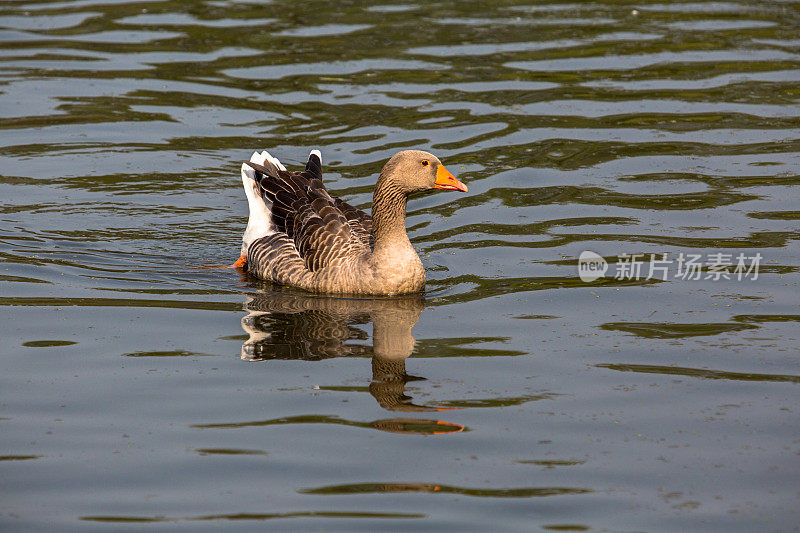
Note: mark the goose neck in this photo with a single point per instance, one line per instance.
(388, 213)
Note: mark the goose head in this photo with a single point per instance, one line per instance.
(413, 171)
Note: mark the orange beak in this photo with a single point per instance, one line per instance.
(448, 182)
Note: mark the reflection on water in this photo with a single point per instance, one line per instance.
(294, 325)
(240, 517)
(291, 325)
(365, 488)
(414, 426)
(703, 373)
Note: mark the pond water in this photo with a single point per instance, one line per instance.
(143, 386)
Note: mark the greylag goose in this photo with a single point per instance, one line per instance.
(299, 235)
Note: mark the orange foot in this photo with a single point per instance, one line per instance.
(241, 262)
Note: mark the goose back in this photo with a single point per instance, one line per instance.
(319, 243)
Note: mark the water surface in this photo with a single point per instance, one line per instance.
(140, 384)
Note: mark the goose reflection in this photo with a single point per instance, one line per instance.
(312, 328)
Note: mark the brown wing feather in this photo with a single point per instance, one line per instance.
(360, 222)
(324, 229)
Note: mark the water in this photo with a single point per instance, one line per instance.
(141, 384)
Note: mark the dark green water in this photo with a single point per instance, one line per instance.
(141, 388)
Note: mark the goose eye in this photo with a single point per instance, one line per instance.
(425, 163)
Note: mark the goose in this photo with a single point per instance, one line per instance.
(300, 236)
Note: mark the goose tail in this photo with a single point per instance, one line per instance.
(260, 222)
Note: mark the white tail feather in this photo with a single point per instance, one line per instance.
(260, 222)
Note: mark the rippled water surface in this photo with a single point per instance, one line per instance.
(140, 383)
